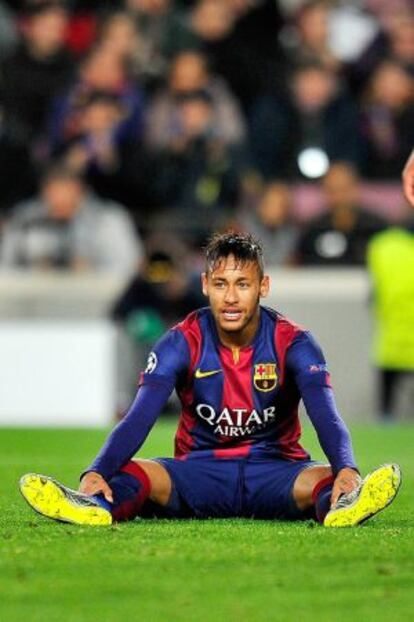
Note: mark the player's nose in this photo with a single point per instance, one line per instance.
(231, 295)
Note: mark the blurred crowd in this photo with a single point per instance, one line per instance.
(130, 130)
(124, 120)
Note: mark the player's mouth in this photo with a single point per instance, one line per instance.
(232, 315)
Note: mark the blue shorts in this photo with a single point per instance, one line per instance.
(240, 487)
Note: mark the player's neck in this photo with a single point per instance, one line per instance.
(241, 338)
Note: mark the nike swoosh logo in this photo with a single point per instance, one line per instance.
(205, 374)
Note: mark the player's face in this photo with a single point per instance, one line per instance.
(234, 292)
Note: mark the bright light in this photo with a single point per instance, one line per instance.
(313, 162)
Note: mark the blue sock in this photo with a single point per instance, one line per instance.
(124, 488)
(100, 500)
(130, 489)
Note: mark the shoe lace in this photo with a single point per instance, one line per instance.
(79, 498)
(347, 499)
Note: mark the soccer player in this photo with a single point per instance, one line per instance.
(240, 370)
(408, 180)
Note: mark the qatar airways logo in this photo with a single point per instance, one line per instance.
(236, 421)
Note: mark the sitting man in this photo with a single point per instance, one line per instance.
(240, 370)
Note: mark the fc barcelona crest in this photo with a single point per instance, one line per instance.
(265, 376)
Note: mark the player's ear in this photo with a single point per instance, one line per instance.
(204, 283)
(264, 286)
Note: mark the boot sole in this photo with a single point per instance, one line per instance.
(47, 497)
(378, 491)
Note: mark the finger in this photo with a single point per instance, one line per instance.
(83, 488)
(335, 496)
(107, 492)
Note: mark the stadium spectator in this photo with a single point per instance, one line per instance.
(339, 236)
(198, 175)
(211, 21)
(118, 33)
(68, 227)
(101, 70)
(113, 163)
(271, 222)
(309, 40)
(394, 41)
(240, 38)
(38, 69)
(318, 115)
(161, 293)
(391, 265)
(388, 121)
(401, 40)
(161, 33)
(190, 72)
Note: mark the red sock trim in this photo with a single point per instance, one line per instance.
(128, 510)
(133, 468)
(320, 485)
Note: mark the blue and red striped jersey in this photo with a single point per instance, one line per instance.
(235, 403)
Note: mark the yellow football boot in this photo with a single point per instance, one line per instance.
(375, 492)
(51, 499)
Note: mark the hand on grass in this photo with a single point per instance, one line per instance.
(346, 481)
(93, 484)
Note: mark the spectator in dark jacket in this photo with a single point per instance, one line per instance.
(241, 39)
(388, 121)
(102, 70)
(317, 115)
(340, 235)
(37, 70)
(161, 293)
(198, 175)
(111, 160)
(310, 40)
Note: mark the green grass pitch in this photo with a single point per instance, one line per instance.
(172, 571)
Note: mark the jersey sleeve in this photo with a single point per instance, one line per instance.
(307, 363)
(166, 363)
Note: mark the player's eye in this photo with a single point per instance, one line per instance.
(244, 285)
